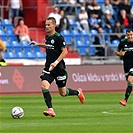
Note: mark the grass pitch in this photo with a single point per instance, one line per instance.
(101, 113)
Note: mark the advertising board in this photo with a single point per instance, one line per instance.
(91, 78)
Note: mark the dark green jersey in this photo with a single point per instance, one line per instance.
(54, 45)
(127, 46)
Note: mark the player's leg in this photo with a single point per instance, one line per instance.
(46, 94)
(47, 98)
(128, 89)
(47, 79)
(63, 91)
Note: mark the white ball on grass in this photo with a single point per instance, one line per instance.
(17, 112)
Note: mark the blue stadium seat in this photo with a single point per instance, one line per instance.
(8, 46)
(7, 43)
(9, 27)
(80, 44)
(93, 32)
(24, 44)
(17, 49)
(115, 42)
(2, 33)
(3, 37)
(36, 49)
(21, 55)
(82, 51)
(92, 51)
(11, 55)
(85, 35)
(30, 55)
(125, 29)
(73, 24)
(13, 38)
(85, 32)
(100, 2)
(65, 32)
(10, 32)
(68, 40)
(1, 27)
(72, 21)
(4, 55)
(67, 36)
(77, 35)
(15, 44)
(9, 49)
(88, 43)
(6, 22)
(40, 55)
(26, 49)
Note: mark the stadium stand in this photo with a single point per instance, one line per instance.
(79, 42)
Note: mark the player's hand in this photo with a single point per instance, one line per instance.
(32, 43)
(52, 66)
(123, 53)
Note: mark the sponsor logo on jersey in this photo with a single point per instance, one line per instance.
(61, 78)
(131, 70)
(49, 46)
(52, 41)
(128, 49)
(64, 43)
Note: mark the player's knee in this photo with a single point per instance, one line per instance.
(130, 80)
(62, 91)
(43, 87)
(62, 94)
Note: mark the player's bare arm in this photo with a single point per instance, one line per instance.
(120, 53)
(62, 55)
(43, 45)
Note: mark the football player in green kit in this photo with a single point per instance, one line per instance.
(55, 68)
(125, 49)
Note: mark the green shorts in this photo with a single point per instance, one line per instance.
(130, 73)
(59, 76)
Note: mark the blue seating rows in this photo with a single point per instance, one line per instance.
(83, 41)
(21, 50)
(17, 50)
(22, 55)
(6, 31)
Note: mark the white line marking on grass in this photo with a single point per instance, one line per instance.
(105, 112)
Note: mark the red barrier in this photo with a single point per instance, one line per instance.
(15, 64)
(92, 78)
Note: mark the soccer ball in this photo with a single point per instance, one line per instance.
(17, 112)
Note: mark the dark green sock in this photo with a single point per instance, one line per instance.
(47, 98)
(70, 92)
(128, 91)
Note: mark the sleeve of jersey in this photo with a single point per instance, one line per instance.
(62, 42)
(120, 46)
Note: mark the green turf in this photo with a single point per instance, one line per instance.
(101, 113)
